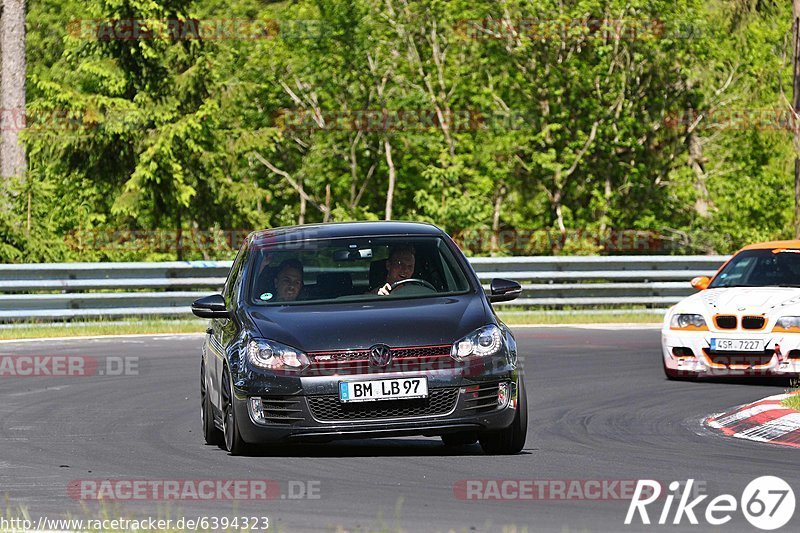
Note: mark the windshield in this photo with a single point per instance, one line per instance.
(778, 267)
(354, 269)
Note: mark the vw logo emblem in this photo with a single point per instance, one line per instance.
(380, 355)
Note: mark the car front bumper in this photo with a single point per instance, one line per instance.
(704, 362)
(463, 405)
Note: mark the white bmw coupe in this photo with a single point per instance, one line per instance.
(744, 321)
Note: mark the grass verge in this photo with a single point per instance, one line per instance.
(85, 329)
(793, 402)
(513, 318)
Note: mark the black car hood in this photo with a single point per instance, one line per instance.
(353, 325)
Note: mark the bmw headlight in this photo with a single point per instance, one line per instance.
(273, 355)
(687, 321)
(482, 342)
(788, 323)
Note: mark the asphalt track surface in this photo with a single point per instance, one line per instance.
(600, 409)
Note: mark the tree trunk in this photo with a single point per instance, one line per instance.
(12, 87)
(179, 234)
(302, 219)
(604, 210)
(498, 203)
(326, 216)
(390, 188)
(796, 105)
(697, 164)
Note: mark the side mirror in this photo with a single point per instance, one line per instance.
(701, 282)
(504, 290)
(210, 307)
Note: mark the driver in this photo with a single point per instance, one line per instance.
(288, 280)
(399, 266)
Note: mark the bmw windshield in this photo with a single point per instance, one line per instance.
(779, 267)
(354, 269)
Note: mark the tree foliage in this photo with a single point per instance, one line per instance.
(577, 119)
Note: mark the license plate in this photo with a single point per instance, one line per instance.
(737, 345)
(383, 389)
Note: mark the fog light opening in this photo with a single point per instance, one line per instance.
(503, 395)
(257, 409)
(682, 352)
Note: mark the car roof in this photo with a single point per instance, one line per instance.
(333, 230)
(772, 244)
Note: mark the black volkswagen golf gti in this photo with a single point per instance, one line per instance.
(358, 330)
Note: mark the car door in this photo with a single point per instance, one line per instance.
(220, 335)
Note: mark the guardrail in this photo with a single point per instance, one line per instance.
(59, 291)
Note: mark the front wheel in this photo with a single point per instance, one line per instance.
(233, 439)
(510, 440)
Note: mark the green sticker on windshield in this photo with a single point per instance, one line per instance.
(266, 296)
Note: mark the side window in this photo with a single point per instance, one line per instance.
(232, 283)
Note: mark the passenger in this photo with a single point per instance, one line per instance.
(288, 280)
(399, 266)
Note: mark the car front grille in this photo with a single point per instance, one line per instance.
(329, 408)
(725, 321)
(739, 358)
(404, 359)
(282, 410)
(753, 322)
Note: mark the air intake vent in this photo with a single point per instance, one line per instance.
(282, 409)
(725, 321)
(753, 322)
(741, 359)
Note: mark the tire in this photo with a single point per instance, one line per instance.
(511, 440)
(232, 440)
(211, 434)
(463, 438)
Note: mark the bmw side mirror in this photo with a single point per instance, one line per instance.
(701, 283)
(210, 307)
(504, 290)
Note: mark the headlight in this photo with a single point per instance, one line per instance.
(685, 321)
(482, 342)
(273, 355)
(788, 323)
